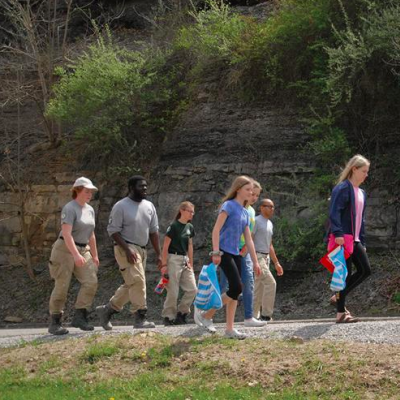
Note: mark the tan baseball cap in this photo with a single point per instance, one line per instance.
(85, 182)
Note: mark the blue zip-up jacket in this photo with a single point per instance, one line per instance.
(342, 211)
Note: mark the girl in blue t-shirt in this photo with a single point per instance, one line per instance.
(232, 222)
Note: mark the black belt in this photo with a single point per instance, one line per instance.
(264, 254)
(126, 241)
(177, 253)
(77, 244)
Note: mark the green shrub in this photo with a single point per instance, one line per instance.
(99, 95)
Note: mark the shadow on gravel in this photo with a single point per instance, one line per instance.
(312, 331)
(196, 331)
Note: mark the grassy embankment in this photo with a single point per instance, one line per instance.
(151, 366)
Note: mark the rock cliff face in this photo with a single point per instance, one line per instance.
(215, 142)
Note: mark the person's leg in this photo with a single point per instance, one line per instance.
(259, 287)
(269, 292)
(188, 285)
(341, 296)
(223, 282)
(363, 268)
(61, 266)
(175, 268)
(121, 296)
(248, 285)
(230, 265)
(87, 277)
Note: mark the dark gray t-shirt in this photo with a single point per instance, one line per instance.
(134, 221)
(82, 220)
(262, 234)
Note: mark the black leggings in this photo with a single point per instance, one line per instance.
(363, 270)
(231, 264)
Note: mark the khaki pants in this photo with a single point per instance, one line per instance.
(62, 267)
(134, 287)
(264, 288)
(180, 276)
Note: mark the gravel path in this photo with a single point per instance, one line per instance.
(370, 331)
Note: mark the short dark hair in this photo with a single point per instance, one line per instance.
(134, 179)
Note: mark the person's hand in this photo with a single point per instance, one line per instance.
(339, 241)
(216, 260)
(96, 261)
(243, 252)
(257, 269)
(131, 256)
(189, 265)
(79, 260)
(160, 264)
(279, 269)
(164, 270)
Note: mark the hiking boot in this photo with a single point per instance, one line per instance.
(55, 327)
(169, 322)
(180, 319)
(104, 313)
(80, 320)
(140, 322)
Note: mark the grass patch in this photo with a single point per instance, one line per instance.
(150, 366)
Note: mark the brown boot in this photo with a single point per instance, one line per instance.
(55, 327)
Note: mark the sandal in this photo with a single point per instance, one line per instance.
(347, 319)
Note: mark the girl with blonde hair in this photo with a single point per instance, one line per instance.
(233, 221)
(177, 262)
(347, 220)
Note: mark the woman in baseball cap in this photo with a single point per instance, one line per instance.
(75, 252)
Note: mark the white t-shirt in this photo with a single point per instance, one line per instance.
(262, 234)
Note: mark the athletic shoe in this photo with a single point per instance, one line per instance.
(204, 322)
(254, 323)
(235, 334)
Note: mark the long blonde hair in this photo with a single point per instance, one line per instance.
(357, 161)
(183, 206)
(237, 184)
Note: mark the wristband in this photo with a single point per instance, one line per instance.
(216, 253)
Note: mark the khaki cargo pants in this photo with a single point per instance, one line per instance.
(62, 267)
(134, 287)
(264, 288)
(180, 276)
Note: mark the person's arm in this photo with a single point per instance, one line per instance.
(130, 254)
(93, 249)
(190, 253)
(155, 241)
(164, 258)
(339, 201)
(66, 230)
(252, 251)
(215, 235)
(274, 258)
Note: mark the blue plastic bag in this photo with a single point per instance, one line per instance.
(208, 291)
(339, 275)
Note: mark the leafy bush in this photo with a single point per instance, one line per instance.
(99, 95)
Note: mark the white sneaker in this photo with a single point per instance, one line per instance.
(196, 315)
(254, 323)
(204, 322)
(235, 334)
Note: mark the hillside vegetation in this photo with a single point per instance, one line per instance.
(336, 61)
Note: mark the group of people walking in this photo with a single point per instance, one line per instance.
(241, 247)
